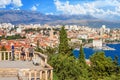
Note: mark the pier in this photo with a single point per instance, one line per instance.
(107, 48)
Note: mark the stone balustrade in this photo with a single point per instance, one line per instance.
(44, 72)
(5, 55)
(41, 74)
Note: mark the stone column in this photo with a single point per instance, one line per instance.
(41, 62)
(4, 56)
(29, 75)
(51, 74)
(26, 54)
(46, 75)
(24, 72)
(11, 55)
(45, 60)
(35, 75)
(40, 75)
(8, 55)
(0, 56)
(19, 55)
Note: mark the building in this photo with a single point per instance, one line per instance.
(19, 30)
(97, 44)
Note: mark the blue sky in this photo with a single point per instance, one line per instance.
(97, 8)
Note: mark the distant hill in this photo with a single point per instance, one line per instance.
(28, 17)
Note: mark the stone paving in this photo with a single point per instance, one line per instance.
(12, 65)
(18, 64)
(8, 78)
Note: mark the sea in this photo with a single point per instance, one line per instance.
(109, 53)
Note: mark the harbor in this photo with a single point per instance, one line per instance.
(103, 47)
(110, 50)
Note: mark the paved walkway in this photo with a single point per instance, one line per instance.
(19, 64)
(8, 78)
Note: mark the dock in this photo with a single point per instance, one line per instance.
(105, 47)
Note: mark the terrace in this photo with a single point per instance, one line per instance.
(38, 69)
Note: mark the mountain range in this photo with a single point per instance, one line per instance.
(32, 17)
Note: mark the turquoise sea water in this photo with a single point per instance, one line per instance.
(109, 53)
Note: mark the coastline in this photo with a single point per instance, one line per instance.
(109, 53)
(112, 43)
(104, 47)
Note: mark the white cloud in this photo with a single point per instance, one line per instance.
(66, 8)
(16, 3)
(14, 8)
(37, 4)
(3, 3)
(49, 14)
(98, 8)
(34, 8)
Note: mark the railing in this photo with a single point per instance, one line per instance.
(45, 72)
(7, 55)
(41, 58)
(36, 74)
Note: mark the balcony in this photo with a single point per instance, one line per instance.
(38, 69)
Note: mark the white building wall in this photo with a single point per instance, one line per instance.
(18, 30)
(97, 43)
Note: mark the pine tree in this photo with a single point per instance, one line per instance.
(63, 46)
(82, 56)
(101, 66)
(82, 65)
(37, 44)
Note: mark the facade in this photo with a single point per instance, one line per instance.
(19, 30)
(97, 44)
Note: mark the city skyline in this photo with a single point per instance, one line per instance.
(102, 9)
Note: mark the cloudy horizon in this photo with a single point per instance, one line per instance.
(102, 9)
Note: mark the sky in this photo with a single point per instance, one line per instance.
(109, 9)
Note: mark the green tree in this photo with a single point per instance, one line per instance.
(37, 44)
(3, 48)
(90, 40)
(63, 45)
(17, 36)
(101, 66)
(51, 50)
(82, 56)
(41, 50)
(82, 65)
(116, 66)
(65, 67)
